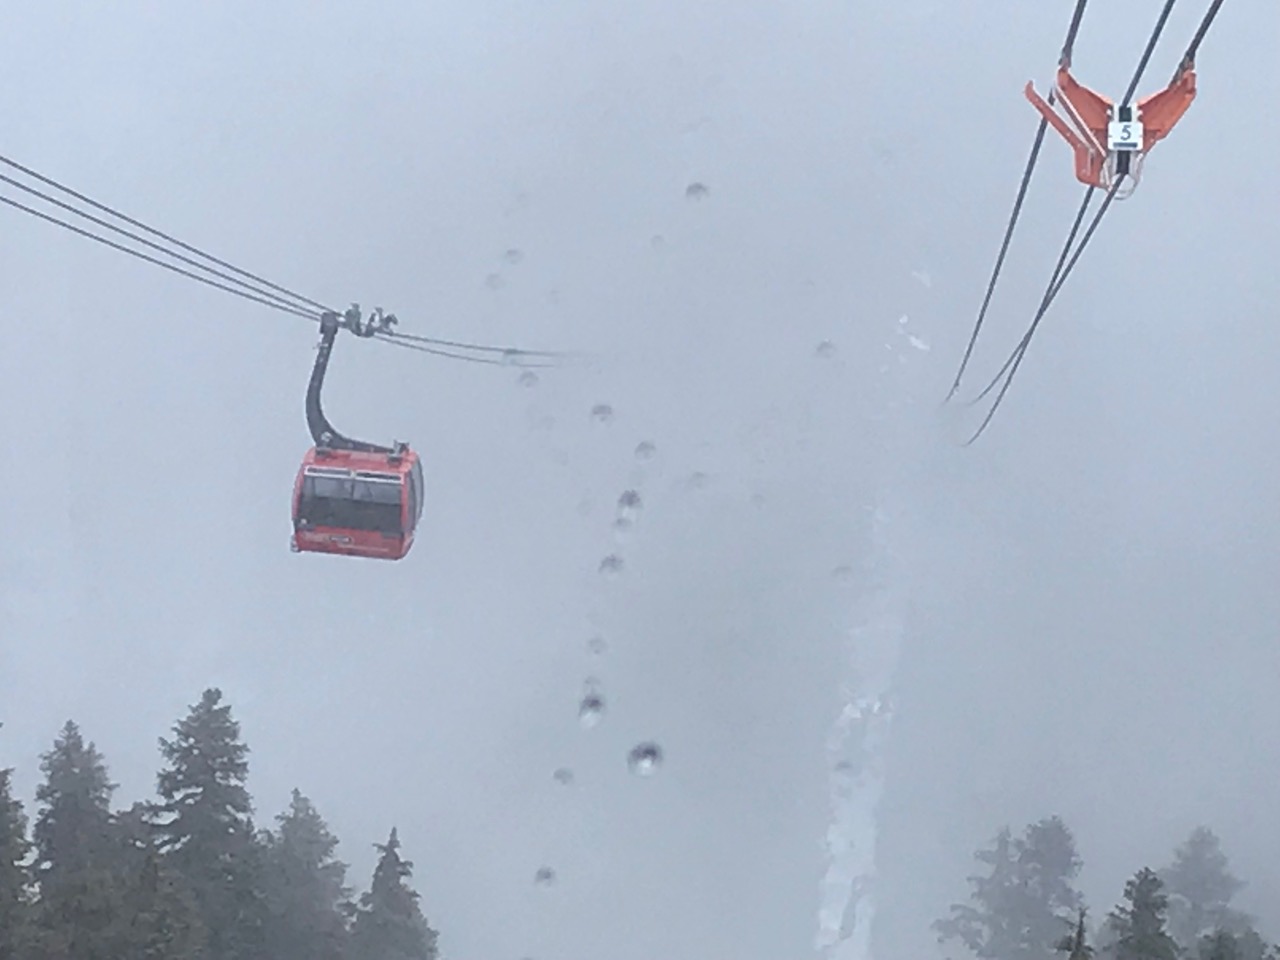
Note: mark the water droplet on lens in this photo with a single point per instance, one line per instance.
(696, 191)
(513, 256)
(826, 350)
(545, 877)
(563, 776)
(644, 759)
(629, 505)
(528, 379)
(843, 572)
(591, 707)
(611, 565)
(602, 413)
(697, 480)
(493, 281)
(645, 450)
(597, 645)
(591, 710)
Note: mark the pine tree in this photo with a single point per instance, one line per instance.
(1076, 944)
(1238, 945)
(1200, 887)
(1138, 924)
(78, 900)
(389, 924)
(14, 878)
(206, 830)
(309, 904)
(1220, 945)
(159, 919)
(1024, 905)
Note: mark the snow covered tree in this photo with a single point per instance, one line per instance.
(14, 879)
(205, 827)
(389, 924)
(159, 919)
(1026, 903)
(309, 905)
(1076, 944)
(1225, 944)
(1137, 925)
(1200, 886)
(1220, 945)
(78, 900)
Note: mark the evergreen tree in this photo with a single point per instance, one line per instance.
(1138, 924)
(389, 924)
(1023, 907)
(1076, 944)
(78, 900)
(1237, 945)
(309, 904)
(159, 919)
(1220, 945)
(205, 827)
(14, 879)
(1200, 887)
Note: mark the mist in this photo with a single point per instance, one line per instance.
(1091, 610)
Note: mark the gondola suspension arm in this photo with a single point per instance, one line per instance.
(322, 431)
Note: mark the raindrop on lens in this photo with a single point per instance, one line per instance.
(590, 710)
(602, 413)
(629, 504)
(644, 759)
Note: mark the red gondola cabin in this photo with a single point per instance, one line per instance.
(357, 503)
(350, 497)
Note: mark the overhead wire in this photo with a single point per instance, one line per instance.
(1061, 273)
(482, 348)
(1189, 58)
(1050, 294)
(150, 259)
(49, 181)
(1054, 279)
(1064, 59)
(1004, 249)
(153, 245)
(260, 290)
(514, 361)
(1146, 54)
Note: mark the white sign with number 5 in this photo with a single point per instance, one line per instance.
(1124, 135)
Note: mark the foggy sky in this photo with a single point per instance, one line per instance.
(1092, 584)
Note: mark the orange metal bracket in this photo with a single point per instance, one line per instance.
(1089, 113)
(1160, 111)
